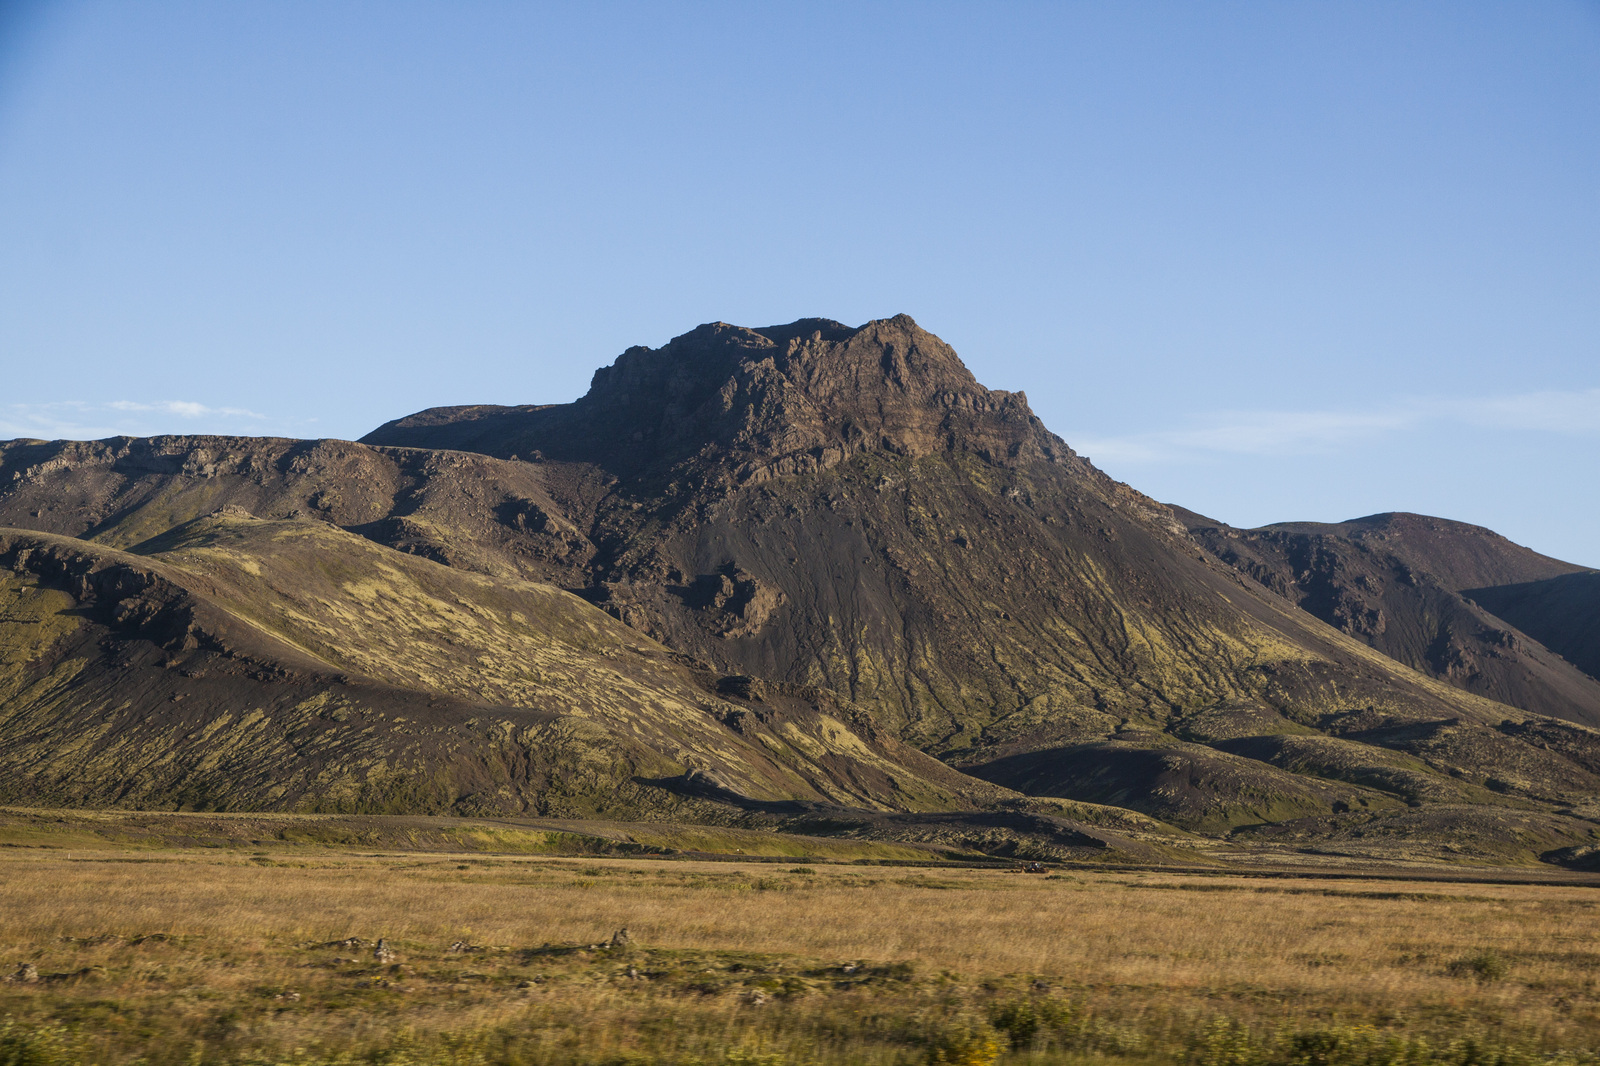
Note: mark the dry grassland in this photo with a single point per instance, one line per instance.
(188, 957)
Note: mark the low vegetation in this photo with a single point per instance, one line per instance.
(271, 955)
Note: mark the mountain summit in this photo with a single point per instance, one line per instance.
(746, 405)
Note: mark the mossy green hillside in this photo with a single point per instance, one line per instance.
(294, 664)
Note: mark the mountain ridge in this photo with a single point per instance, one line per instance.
(1421, 590)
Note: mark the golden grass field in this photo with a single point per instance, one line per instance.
(230, 956)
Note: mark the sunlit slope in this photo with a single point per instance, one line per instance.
(294, 663)
(470, 511)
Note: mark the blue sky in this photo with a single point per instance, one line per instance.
(1272, 261)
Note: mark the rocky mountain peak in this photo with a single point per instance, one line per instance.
(750, 404)
(806, 394)
(887, 362)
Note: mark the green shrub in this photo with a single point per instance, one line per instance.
(1019, 1021)
(745, 1057)
(37, 1046)
(964, 1045)
(1226, 1043)
(1338, 1046)
(1036, 1023)
(1486, 965)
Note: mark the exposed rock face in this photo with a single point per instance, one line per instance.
(1421, 590)
(726, 406)
(736, 602)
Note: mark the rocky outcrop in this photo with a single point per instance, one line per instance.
(731, 406)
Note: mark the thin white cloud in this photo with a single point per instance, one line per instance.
(80, 420)
(184, 408)
(1308, 432)
(1553, 412)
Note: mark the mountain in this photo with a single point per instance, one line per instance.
(1456, 601)
(824, 547)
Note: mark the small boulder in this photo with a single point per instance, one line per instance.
(621, 938)
(26, 974)
(381, 952)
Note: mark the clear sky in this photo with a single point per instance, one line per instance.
(1272, 261)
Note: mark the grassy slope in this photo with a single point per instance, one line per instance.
(508, 671)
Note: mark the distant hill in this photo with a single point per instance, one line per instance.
(1421, 590)
(793, 565)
